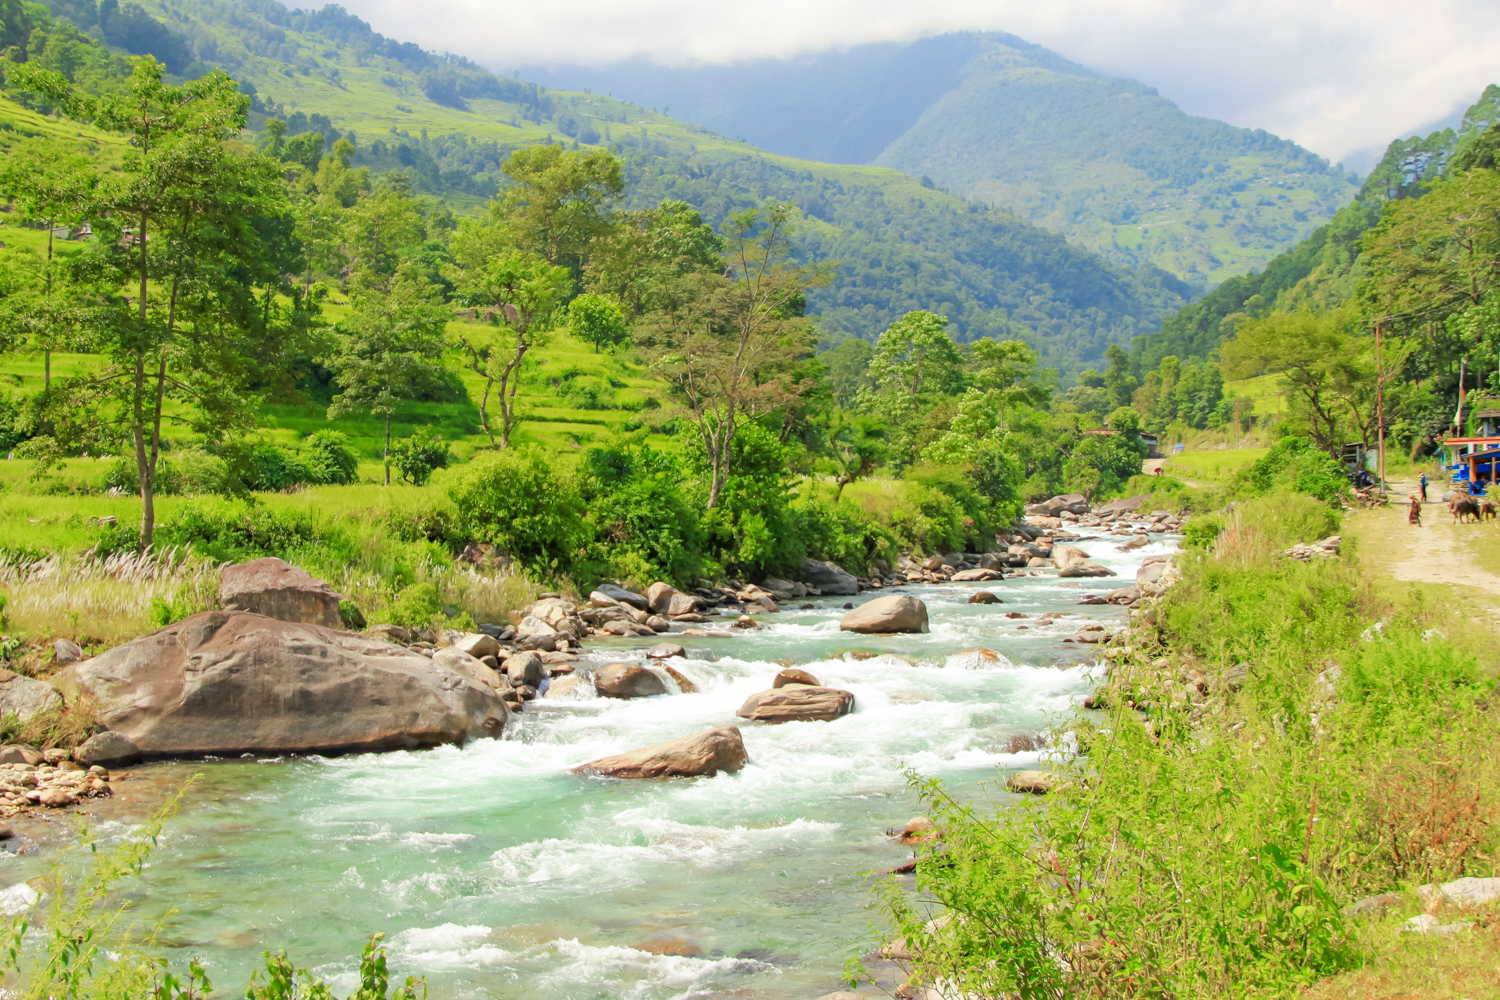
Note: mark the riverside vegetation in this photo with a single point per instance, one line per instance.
(1267, 755)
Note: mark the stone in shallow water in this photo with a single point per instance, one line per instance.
(797, 703)
(705, 753)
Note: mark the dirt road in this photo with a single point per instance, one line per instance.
(1437, 551)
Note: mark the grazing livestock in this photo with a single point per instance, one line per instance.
(1463, 508)
(1487, 509)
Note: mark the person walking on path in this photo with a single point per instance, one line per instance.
(1414, 516)
(1423, 482)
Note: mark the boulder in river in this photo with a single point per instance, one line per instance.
(797, 703)
(665, 651)
(627, 680)
(984, 597)
(472, 667)
(277, 589)
(1085, 568)
(829, 577)
(892, 613)
(620, 595)
(223, 682)
(26, 696)
(791, 675)
(659, 597)
(709, 752)
(477, 644)
(107, 749)
(525, 667)
(977, 575)
(1031, 782)
(1064, 556)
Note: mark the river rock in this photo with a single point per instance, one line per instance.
(570, 687)
(984, 597)
(627, 680)
(1150, 574)
(620, 595)
(277, 589)
(107, 749)
(1122, 506)
(828, 577)
(665, 651)
(472, 667)
(791, 675)
(684, 683)
(977, 575)
(1064, 556)
(1124, 595)
(797, 703)
(20, 753)
(525, 667)
(892, 613)
(659, 597)
(658, 623)
(532, 625)
(222, 682)
(477, 645)
(390, 633)
(66, 651)
(684, 604)
(782, 590)
(1138, 542)
(1085, 568)
(705, 753)
(1031, 782)
(26, 696)
(1073, 503)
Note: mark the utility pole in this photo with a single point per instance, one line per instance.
(1380, 405)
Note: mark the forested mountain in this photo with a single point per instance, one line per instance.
(1320, 270)
(1108, 163)
(898, 245)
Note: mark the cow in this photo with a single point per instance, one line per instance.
(1463, 508)
(1487, 509)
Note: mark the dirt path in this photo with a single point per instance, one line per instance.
(1433, 552)
(1151, 465)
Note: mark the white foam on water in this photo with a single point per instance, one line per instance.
(636, 973)
(435, 841)
(449, 946)
(17, 899)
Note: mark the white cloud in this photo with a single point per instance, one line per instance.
(1338, 76)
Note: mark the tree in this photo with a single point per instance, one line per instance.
(559, 202)
(528, 294)
(728, 343)
(596, 320)
(1435, 255)
(915, 362)
(211, 322)
(389, 348)
(1118, 380)
(859, 448)
(637, 259)
(55, 185)
(1316, 354)
(847, 365)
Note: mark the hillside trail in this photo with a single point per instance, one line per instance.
(1150, 466)
(1432, 552)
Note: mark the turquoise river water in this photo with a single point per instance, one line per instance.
(495, 872)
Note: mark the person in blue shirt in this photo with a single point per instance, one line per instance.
(1424, 487)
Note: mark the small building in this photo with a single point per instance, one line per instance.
(1472, 459)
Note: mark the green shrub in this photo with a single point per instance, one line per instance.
(416, 457)
(235, 531)
(515, 501)
(644, 527)
(1295, 464)
(329, 460)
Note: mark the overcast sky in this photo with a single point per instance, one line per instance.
(1338, 76)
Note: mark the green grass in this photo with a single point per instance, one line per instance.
(1215, 464)
(1265, 390)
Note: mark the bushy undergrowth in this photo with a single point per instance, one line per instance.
(1294, 465)
(1208, 844)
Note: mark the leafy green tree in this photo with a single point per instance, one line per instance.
(730, 344)
(1118, 380)
(211, 322)
(388, 349)
(636, 261)
(859, 447)
(55, 185)
(559, 202)
(418, 456)
(528, 295)
(596, 320)
(514, 500)
(915, 363)
(847, 365)
(273, 142)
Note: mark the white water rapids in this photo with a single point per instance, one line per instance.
(497, 873)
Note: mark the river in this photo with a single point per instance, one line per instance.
(495, 872)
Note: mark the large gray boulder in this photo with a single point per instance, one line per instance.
(225, 682)
(1122, 506)
(1085, 568)
(620, 595)
(1073, 503)
(829, 577)
(277, 589)
(705, 753)
(893, 613)
(26, 696)
(797, 703)
(1064, 556)
(472, 667)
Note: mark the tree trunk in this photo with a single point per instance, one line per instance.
(484, 405)
(386, 455)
